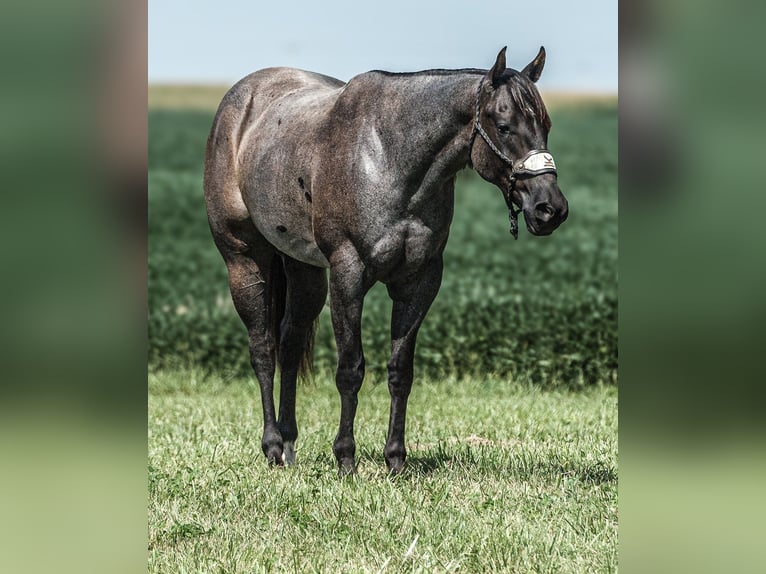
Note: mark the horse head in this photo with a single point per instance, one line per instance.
(513, 123)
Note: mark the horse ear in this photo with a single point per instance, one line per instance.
(499, 68)
(535, 68)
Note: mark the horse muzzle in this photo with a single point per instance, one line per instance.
(533, 186)
(544, 210)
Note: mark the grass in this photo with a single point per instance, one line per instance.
(500, 477)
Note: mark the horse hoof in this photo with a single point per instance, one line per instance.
(275, 456)
(288, 453)
(395, 465)
(346, 467)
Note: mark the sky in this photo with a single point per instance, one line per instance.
(219, 42)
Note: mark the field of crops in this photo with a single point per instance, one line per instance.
(539, 310)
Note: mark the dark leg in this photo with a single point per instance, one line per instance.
(306, 295)
(248, 258)
(412, 298)
(347, 290)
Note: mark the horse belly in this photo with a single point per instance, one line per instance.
(286, 223)
(298, 247)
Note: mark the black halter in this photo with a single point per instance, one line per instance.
(517, 167)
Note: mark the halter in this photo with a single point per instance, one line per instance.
(535, 162)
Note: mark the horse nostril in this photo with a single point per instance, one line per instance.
(544, 211)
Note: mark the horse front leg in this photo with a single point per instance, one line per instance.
(411, 300)
(347, 290)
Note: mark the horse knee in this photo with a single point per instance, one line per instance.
(399, 379)
(349, 377)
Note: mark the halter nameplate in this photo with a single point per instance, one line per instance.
(535, 162)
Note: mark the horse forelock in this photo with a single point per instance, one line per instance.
(527, 98)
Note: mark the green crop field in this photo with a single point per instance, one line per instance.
(512, 429)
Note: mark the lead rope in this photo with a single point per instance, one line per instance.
(513, 213)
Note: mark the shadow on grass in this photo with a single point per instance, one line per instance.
(476, 461)
(485, 461)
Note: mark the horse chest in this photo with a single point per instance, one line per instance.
(405, 248)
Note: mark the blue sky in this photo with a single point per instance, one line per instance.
(221, 41)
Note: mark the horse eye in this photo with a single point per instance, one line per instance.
(503, 129)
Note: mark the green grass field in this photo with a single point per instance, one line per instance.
(512, 425)
(500, 477)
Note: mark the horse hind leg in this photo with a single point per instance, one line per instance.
(253, 265)
(253, 269)
(305, 297)
(263, 284)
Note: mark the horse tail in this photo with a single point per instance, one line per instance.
(277, 308)
(306, 366)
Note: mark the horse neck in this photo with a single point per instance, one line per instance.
(434, 119)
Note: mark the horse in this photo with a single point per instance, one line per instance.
(304, 173)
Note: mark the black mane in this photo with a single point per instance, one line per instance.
(523, 92)
(435, 72)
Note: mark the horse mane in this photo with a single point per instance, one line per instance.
(434, 72)
(523, 92)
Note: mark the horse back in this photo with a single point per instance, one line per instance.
(255, 95)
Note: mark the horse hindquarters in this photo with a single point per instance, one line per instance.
(277, 297)
(254, 268)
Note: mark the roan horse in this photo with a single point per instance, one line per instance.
(305, 173)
